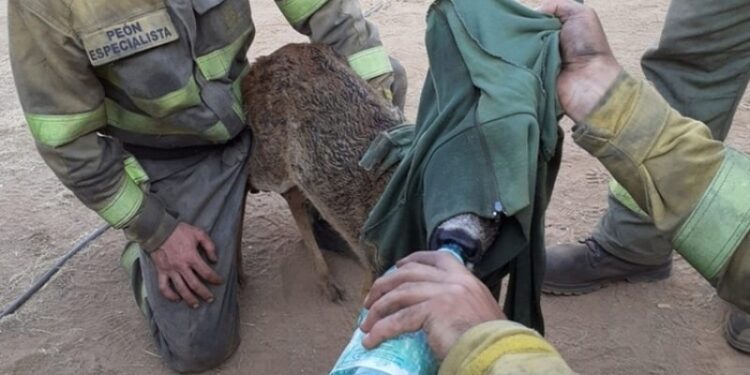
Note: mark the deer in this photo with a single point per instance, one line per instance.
(312, 119)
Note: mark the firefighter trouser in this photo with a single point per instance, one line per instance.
(206, 190)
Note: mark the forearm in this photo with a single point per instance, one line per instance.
(665, 161)
(500, 348)
(97, 171)
(693, 187)
(340, 24)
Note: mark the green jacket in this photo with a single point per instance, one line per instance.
(98, 78)
(486, 143)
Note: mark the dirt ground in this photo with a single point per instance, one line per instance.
(85, 321)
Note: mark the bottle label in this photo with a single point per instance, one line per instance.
(407, 354)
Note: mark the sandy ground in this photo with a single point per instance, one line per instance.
(85, 322)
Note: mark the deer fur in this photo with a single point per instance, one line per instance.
(312, 119)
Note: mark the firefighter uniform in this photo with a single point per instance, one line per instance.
(701, 66)
(136, 106)
(648, 147)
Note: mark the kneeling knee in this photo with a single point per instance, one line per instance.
(201, 355)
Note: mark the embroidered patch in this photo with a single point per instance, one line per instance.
(116, 42)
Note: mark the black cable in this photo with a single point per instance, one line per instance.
(80, 245)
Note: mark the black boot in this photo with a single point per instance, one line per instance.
(737, 330)
(574, 269)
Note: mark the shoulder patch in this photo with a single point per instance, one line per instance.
(115, 42)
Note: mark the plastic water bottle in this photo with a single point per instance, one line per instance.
(407, 354)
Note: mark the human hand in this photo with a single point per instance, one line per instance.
(429, 291)
(180, 267)
(588, 66)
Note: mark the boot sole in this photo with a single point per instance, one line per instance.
(581, 289)
(733, 338)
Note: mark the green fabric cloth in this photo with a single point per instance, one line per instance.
(486, 143)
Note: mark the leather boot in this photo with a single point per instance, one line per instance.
(737, 330)
(574, 269)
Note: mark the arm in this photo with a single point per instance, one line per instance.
(432, 291)
(692, 186)
(503, 348)
(341, 24)
(63, 102)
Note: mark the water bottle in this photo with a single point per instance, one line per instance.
(407, 354)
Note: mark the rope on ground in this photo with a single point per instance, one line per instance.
(80, 245)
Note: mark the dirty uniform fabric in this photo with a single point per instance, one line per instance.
(503, 348)
(485, 143)
(136, 106)
(208, 190)
(701, 66)
(648, 146)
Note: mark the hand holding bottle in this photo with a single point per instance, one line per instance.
(430, 291)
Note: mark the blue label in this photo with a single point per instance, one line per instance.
(408, 354)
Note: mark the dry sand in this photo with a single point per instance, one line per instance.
(85, 321)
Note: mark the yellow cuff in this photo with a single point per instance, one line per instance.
(480, 347)
(371, 63)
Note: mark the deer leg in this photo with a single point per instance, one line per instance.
(296, 201)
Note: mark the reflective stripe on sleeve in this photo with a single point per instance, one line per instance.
(124, 206)
(135, 171)
(173, 102)
(58, 130)
(371, 63)
(625, 198)
(297, 11)
(521, 343)
(133, 122)
(721, 220)
(216, 64)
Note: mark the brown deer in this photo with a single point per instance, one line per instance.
(312, 120)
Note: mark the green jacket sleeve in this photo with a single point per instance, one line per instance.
(503, 348)
(693, 187)
(63, 102)
(341, 24)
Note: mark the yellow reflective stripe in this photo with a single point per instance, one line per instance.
(720, 221)
(172, 102)
(624, 197)
(522, 343)
(217, 133)
(134, 122)
(123, 119)
(57, 130)
(216, 64)
(135, 171)
(124, 206)
(297, 11)
(371, 62)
